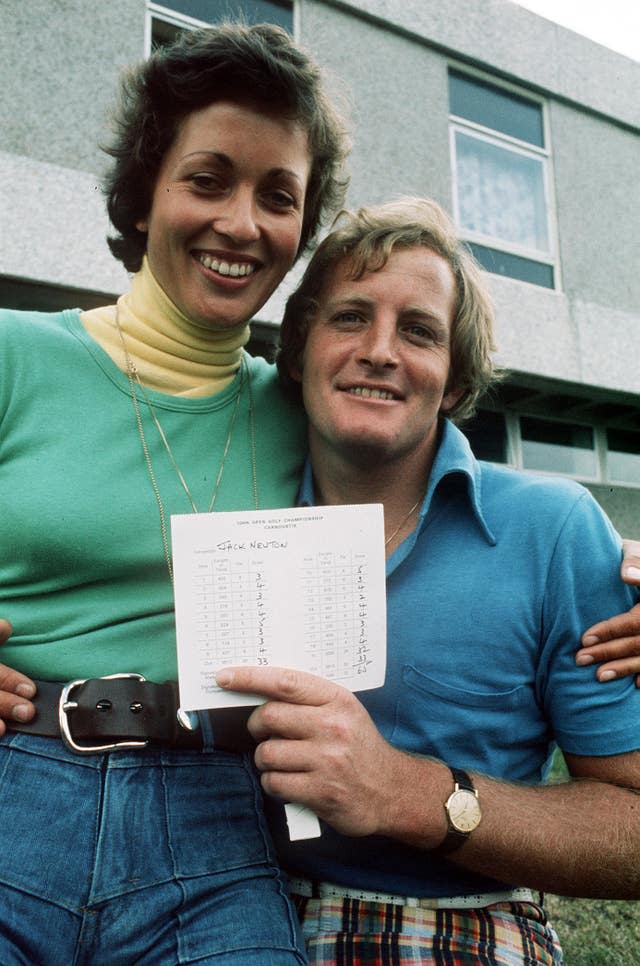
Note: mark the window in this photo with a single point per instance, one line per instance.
(623, 456)
(164, 21)
(558, 447)
(501, 178)
(593, 453)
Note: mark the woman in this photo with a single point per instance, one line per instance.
(227, 156)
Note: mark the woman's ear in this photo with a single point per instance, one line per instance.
(295, 370)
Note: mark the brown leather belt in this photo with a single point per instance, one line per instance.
(125, 711)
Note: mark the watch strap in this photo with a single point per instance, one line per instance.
(462, 779)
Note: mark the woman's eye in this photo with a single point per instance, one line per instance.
(205, 181)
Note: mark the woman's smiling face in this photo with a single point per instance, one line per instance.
(226, 212)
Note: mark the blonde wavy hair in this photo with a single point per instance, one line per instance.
(366, 238)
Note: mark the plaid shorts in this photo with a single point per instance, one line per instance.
(351, 932)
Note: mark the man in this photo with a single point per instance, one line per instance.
(492, 576)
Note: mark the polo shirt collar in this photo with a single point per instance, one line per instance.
(454, 456)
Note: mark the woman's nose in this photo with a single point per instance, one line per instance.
(237, 218)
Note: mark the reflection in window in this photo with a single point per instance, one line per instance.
(558, 447)
(623, 456)
(501, 193)
(500, 165)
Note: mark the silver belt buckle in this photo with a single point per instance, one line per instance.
(66, 704)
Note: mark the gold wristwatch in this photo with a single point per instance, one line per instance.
(463, 812)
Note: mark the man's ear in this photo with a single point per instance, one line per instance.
(142, 225)
(450, 399)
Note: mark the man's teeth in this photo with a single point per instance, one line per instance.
(371, 393)
(235, 269)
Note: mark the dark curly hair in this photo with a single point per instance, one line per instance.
(259, 64)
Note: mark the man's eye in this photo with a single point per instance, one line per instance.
(348, 318)
(418, 331)
(280, 199)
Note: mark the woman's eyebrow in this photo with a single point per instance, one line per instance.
(228, 162)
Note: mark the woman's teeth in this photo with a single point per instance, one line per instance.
(235, 269)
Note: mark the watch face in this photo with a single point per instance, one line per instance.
(464, 810)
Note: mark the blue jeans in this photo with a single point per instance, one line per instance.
(155, 858)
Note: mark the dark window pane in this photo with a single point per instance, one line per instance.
(493, 107)
(623, 440)
(561, 434)
(36, 297)
(513, 266)
(253, 11)
(487, 436)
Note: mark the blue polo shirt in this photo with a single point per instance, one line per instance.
(486, 603)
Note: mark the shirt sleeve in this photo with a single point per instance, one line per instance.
(583, 587)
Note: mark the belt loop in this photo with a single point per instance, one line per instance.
(206, 727)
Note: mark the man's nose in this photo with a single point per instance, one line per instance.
(380, 345)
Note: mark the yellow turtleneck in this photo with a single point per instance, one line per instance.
(172, 353)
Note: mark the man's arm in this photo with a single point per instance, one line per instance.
(617, 641)
(319, 747)
(14, 689)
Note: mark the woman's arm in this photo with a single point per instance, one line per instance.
(617, 641)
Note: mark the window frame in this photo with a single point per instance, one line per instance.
(507, 142)
(156, 11)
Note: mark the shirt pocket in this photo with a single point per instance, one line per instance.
(463, 727)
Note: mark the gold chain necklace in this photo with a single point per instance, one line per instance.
(134, 379)
(402, 523)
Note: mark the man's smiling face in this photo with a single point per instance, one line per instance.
(376, 366)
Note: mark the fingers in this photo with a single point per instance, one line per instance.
(630, 567)
(285, 755)
(293, 721)
(14, 688)
(283, 684)
(622, 658)
(615, 641)
(625, 625)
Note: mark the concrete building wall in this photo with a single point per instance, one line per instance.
(397, 91)
(595, 165)
(59, 64)
(622, 505)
